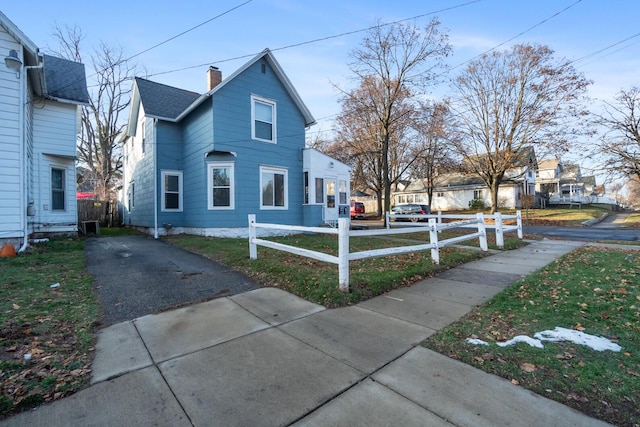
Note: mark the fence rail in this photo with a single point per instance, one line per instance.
(434, 226)
(498, 223)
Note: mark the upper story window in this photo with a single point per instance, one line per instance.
(172, 191)
(143, 137)
(263, 119)
(57, 189)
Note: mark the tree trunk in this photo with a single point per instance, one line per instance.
(495, 186)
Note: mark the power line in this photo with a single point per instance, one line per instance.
(544, 21)
(189, 30)
(347, 33)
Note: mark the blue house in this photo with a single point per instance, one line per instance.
(200, 163)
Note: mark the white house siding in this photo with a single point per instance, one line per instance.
(456, 199)
(11, 177)
(54, 146)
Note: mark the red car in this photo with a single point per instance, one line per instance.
(357, 210)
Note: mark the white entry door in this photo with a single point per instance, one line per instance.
(330, 205)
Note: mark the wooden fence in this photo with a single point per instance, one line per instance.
(102, 212)
(343, 233)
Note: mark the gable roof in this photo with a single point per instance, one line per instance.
(173, 104)
(31, 50)
(271, 60)
(65, 80)
(162, 101)
(549, 164)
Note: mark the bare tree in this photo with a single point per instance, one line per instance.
(432, 152)
(103, 119)
(509, 100)
(633, 192)
(393, 63)
(620, 144)
(359, 141)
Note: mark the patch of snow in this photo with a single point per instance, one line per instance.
(557, 335)
(476, 341)
(521, 338)
(578, 337)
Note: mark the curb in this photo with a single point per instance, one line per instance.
(596, 220)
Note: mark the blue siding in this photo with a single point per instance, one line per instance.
(223, 124)
(141, 213)
(170, 153)
(232, 132)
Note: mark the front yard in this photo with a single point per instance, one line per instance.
(594, 290)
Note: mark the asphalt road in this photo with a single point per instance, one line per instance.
(585, 233)
(138, 275)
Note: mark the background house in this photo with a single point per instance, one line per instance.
(40, 100)
(199, 164)
(560, 183)
(455, 190)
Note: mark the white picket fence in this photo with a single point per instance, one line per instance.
(498, 222)
(343, 233)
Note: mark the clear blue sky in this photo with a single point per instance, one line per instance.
(586, 27)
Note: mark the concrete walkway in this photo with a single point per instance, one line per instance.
(268, 358)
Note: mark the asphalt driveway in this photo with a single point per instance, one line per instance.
(138, 275)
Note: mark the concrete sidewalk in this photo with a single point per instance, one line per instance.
(268, 358)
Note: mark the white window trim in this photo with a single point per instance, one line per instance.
(284, 172)
(63, 189)
(274, 132)
(180, 190)
(217, 165)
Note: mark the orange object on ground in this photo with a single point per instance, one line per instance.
(8, 250)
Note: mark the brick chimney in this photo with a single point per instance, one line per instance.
(214, 77)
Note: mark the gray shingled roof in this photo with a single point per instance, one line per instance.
(164, 101)
(65, 79)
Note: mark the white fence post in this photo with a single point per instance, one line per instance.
(499, 230)
(519, 222)
(482, 228)
(343, 254)
(439, 217)
(253, 248)
(433, 237)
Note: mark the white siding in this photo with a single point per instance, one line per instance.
(54, 146)
(10, 176)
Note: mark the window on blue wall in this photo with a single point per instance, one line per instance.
(57, 189)
(263, 119)
(130, 195)
(306, 188)
(221, 186)
(143, 137)
(273, 184)
(172, 191)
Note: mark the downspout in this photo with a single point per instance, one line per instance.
(23, 159)
(155, 179)
(24, 199)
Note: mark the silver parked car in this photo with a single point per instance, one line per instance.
(409, 209)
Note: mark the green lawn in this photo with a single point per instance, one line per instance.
(633, 220)
(594, 290)
(560, 216)
(48, 308)
(317, 281)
